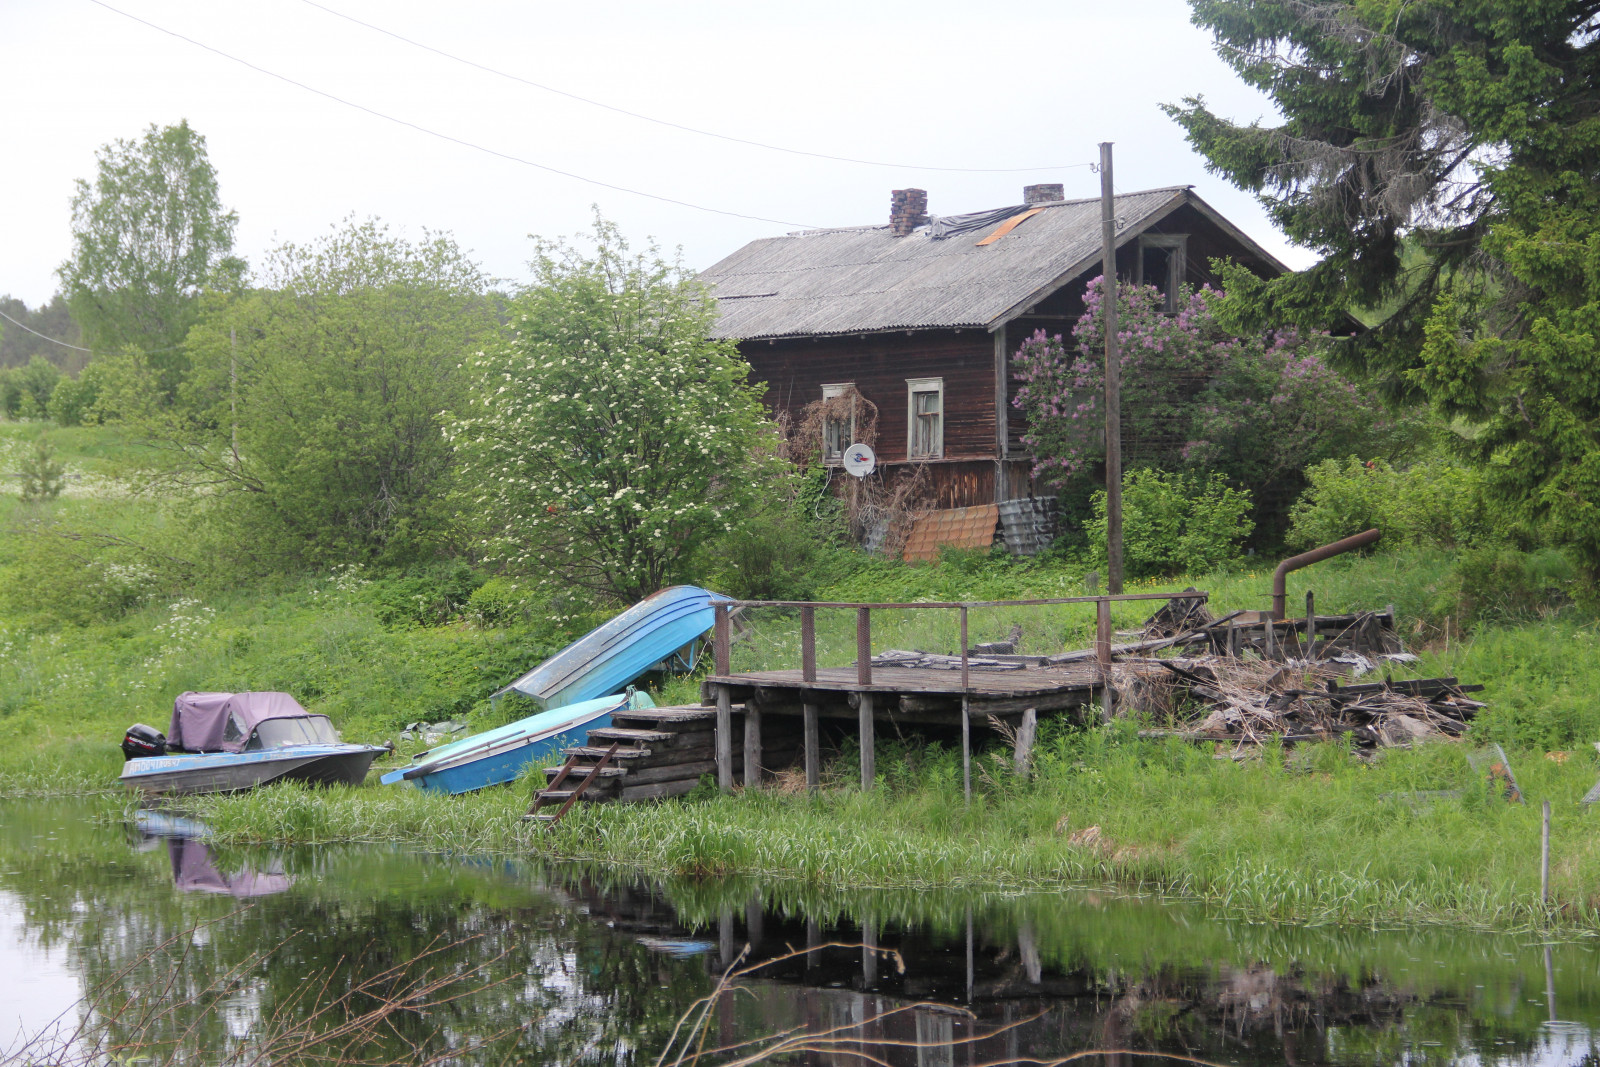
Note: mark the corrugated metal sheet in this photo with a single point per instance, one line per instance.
(956, 527)
(820, 282)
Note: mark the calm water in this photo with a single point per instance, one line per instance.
(555, 965)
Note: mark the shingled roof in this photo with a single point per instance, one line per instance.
(863, 279)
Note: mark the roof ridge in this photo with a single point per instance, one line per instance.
(1046, 204)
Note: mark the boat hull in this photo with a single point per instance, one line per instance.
(501, 755)
(615, 653)
(233, 772)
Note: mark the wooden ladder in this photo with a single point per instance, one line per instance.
(539, 796)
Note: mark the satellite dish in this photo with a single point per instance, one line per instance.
(859, 460)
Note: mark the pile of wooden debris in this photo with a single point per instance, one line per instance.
(1220, 698)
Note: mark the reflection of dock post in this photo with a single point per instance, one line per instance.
(813, 939)
(754, 927)
(725, 937)
(808, 711)
(969, 954)
(869, 768)
(1028, 948)
(869, 955)
(722, 654)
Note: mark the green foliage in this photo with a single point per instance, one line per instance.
(1173, 523)
(10, 392)
(41, 473)
(35, 383)
(1463, 131)
(73, 398)
(425, 595)
(1434, 502)
(1504, 585)
(611, 439)
(147, 235)
(52, 320)
(308, 422)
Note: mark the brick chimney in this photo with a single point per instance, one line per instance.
(1043, 194)
(908, 209)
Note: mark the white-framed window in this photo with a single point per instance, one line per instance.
(924, 418)
(1161, 264)
(838, 434)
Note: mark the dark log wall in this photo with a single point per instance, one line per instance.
(880, 364)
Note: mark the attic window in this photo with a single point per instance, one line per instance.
(1161, 264)
(925, 418)
(838, 433)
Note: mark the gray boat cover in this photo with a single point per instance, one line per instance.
(201, 721)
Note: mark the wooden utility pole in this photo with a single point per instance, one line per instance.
(233, 390)
(1108, 304)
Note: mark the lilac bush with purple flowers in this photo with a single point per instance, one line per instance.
(1195, 397)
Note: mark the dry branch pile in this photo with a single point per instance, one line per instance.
(1247, 701)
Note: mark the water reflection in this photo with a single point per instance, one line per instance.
(559, 964)
(194, 870)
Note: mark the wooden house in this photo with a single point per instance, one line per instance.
(922, 315)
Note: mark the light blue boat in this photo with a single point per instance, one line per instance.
(500, 755)
(661, 628)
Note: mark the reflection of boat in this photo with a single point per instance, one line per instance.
(662, 625)
(226, 742)
(194, 870)
(161, 824)
(499, 755)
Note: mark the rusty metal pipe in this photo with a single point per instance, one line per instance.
(1280, 577)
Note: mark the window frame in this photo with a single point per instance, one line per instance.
(830, 390)
(1177, 244)
(915, 386)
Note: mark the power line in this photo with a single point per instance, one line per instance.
(444, 136)
(75, 348)
(678, 125)
(46, 337)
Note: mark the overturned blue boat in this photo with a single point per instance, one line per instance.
(662, 629)
(228, 742)
(500, 755)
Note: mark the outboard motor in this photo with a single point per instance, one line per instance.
(142, 740)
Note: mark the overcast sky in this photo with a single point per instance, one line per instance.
(916, 85)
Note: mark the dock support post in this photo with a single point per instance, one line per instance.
(722, 656)
(1272, 638)
(808, 711)
(724, 739)
(864, 646)
(869, 768)
(1311, 626)
(752, 744)
(966, 721)
(1102, 656)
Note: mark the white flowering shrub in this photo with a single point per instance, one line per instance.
(610, 437)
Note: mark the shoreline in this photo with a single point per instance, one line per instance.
(1317, 838)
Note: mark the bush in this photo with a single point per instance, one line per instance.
(1504, 585)
(10, 392)
(1435, 502)
(72, 398)
(425, 595)
(42, 474)
(37, 381)
(1173, 523)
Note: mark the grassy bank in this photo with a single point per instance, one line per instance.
(1315, 837)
